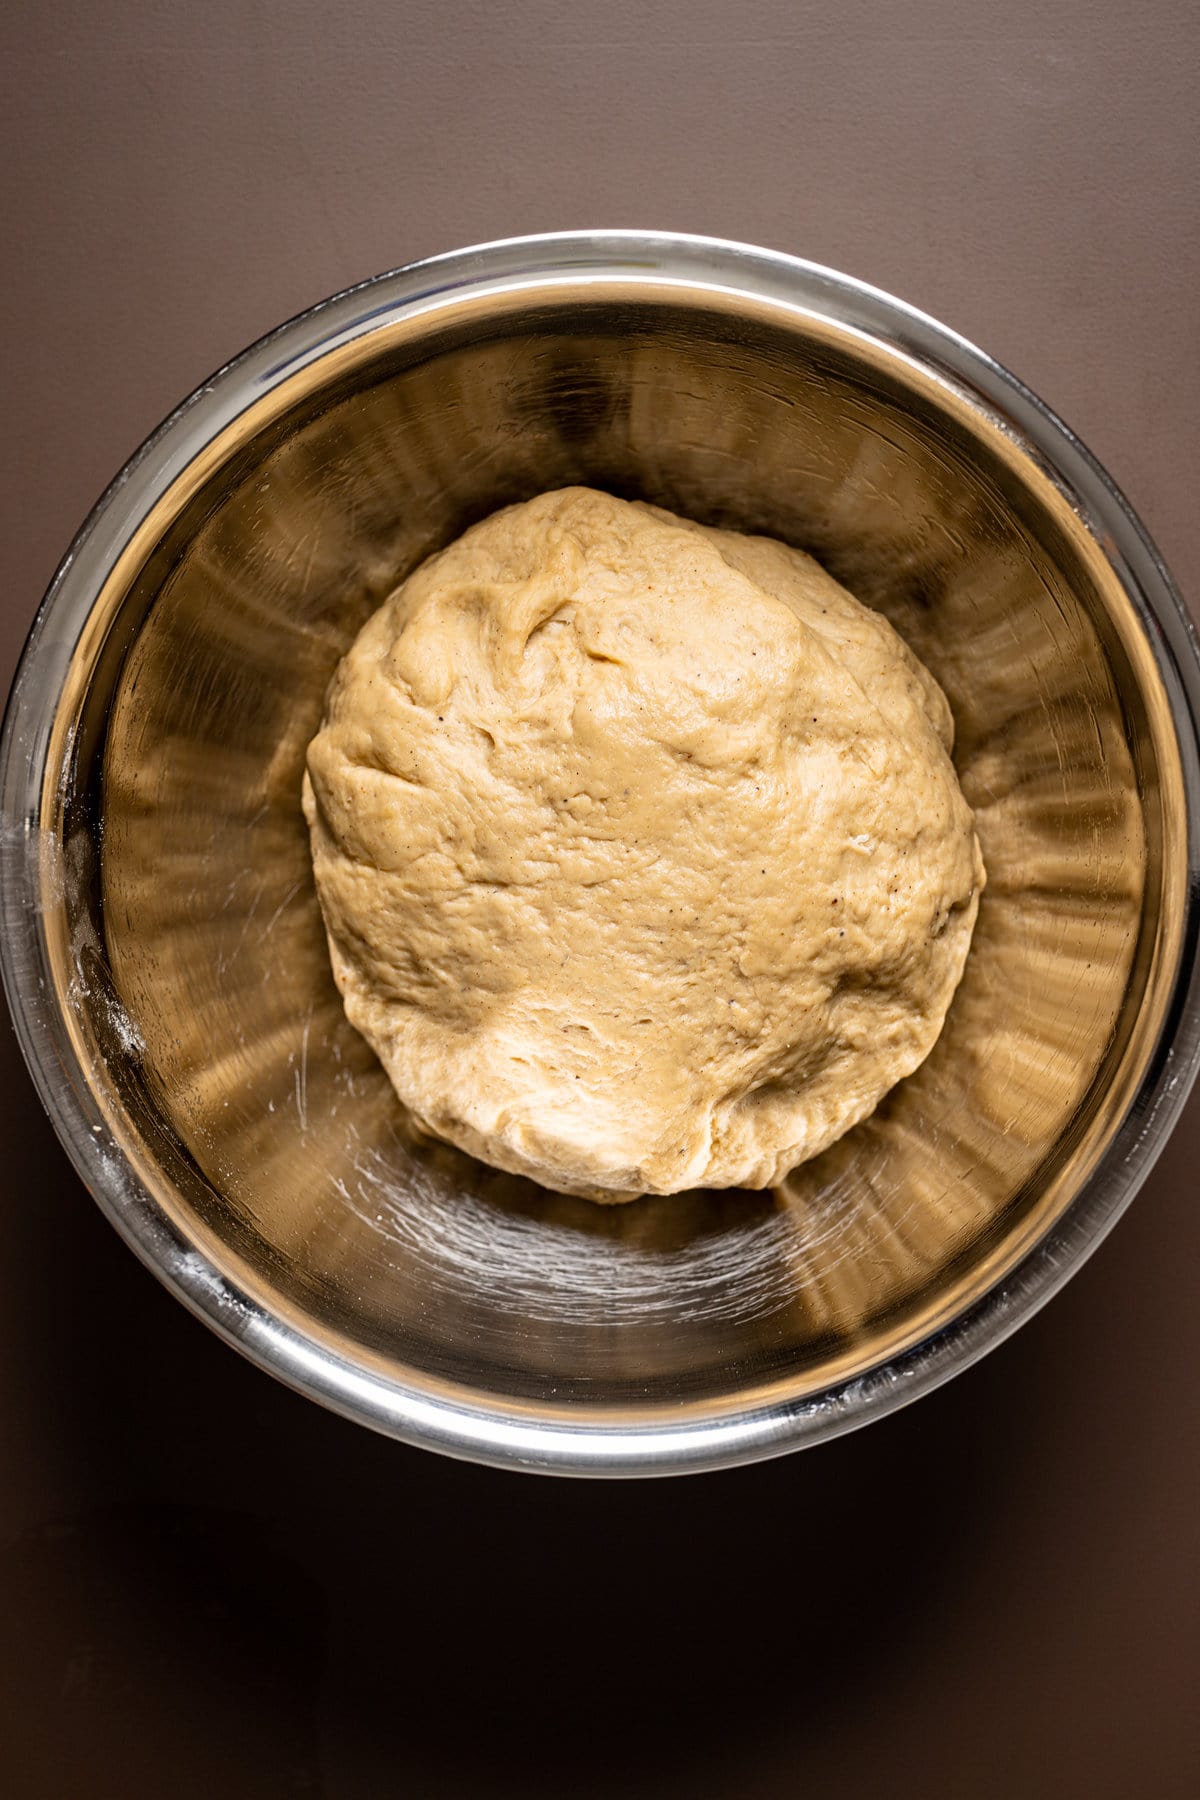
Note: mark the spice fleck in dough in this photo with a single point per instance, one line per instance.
(642, 858)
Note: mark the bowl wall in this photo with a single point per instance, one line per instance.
(245, 1138)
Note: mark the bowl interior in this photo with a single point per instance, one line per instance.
(201, 986)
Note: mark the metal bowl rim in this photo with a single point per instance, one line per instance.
(485, 1430)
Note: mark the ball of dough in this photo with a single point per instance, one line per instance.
(642, 858)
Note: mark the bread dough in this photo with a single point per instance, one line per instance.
(641, 855)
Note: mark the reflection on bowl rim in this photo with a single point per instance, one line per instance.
(435, 1415)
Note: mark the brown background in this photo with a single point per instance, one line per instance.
(209, 1586)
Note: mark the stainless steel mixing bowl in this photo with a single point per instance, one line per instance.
(164, 955)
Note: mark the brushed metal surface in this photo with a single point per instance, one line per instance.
(164, 951)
